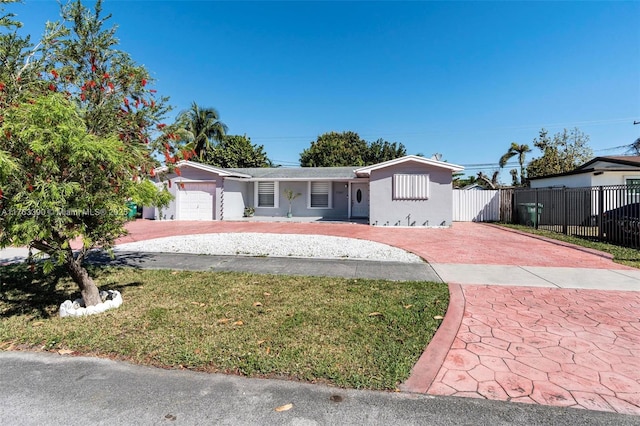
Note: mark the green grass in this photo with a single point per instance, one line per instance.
(351, 333)
(623, 255)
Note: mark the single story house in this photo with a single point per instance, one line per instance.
(407, 191)
(601, 171)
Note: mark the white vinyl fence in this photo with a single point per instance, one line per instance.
(476, 205)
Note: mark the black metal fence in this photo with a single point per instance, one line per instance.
(608, 213)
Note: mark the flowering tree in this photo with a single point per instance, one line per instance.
(79, 129)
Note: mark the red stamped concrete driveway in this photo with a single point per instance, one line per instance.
(555, 346)
(464, 243)
(560, 347)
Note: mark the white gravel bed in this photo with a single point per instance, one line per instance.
(276, 245)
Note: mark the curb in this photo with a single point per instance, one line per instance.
(552, 241)
(426, 369)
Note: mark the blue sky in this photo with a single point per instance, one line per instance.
(464, 79)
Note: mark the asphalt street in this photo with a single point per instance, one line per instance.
(50, 389)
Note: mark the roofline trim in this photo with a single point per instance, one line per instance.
(389, 163)
(204, 167)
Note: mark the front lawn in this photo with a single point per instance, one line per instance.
(351, 333)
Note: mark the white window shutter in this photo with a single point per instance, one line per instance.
(410, 187)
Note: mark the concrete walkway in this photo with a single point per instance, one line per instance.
(346, 268)
(529, 320)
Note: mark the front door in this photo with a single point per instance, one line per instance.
(360, 200)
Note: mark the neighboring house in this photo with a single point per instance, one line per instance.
(407, 191)
(599, 185)
(473, 187)
(601, 171)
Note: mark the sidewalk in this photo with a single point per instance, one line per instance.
(346, 268)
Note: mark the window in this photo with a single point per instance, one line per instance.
(633, 190)
(410, 187)
(265, 194)
(320, 195)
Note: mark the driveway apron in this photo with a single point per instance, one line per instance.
(533, 344)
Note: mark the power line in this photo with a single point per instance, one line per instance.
(613, 148)
(394, 135)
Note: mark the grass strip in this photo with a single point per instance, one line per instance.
(623, 255)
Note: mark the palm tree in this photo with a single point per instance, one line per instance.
(520, 151)
(202, 126)
(485, 181)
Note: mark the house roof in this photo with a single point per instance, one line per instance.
(472, 186)
(310, 173)
(297, 173)
(408, 158)
(617, 163)
(205, 167)
(624, 160)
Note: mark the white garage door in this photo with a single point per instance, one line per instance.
(196, 201)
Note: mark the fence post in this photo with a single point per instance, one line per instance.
(600, 211)
(514, 214)
(565, 215)
(536, 218)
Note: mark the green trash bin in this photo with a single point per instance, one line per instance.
(133, 209)
(527, 214)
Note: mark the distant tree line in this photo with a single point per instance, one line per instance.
(335, 149)
(202, 132)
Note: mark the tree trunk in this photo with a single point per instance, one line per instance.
(80, 276)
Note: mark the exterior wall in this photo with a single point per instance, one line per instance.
(188, 174)
(149, 212)
(615, 178)
(586, 179)
(570, 181)
(300, 206)
(434, 212)
(233, 200)
(168, 212)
